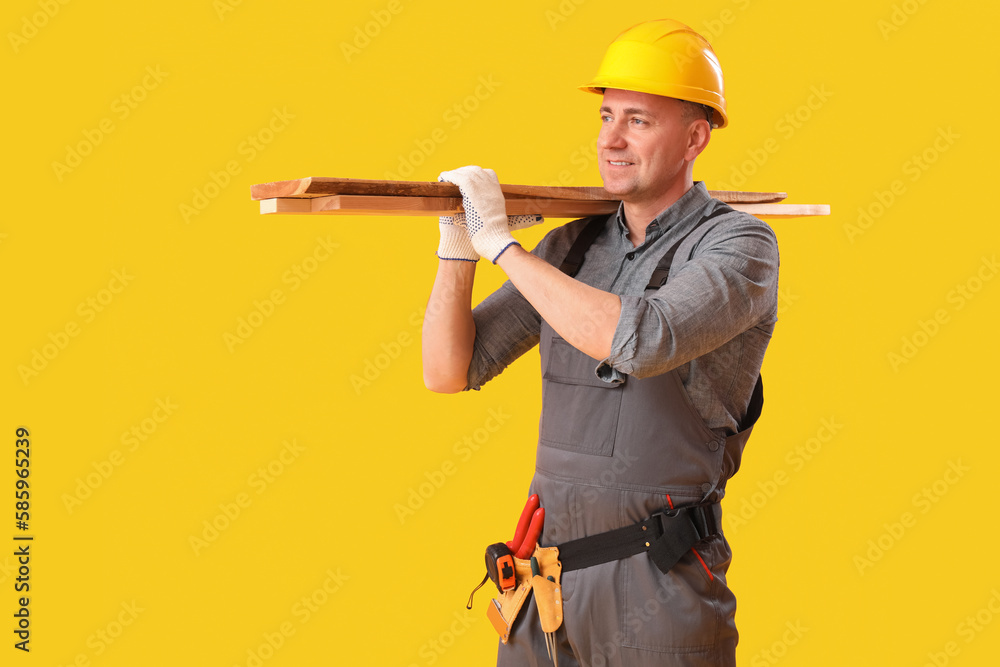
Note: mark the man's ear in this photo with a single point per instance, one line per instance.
(699, 134)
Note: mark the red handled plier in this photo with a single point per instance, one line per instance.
(529, 528)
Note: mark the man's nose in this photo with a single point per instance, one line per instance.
(611, 136)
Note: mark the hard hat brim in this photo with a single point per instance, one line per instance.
(719, 118)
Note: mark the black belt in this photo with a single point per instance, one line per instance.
(666, 536)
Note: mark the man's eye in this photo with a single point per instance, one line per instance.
(605, 118)
(638, 121)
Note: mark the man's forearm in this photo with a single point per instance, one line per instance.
(449, 330)
(584, 316)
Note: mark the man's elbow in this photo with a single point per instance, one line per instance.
(440, 384)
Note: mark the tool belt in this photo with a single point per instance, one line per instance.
(665, 536)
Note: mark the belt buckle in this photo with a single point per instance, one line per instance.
(659, 521)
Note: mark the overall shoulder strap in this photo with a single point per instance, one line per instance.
(662, 270)
(574, 258)
(592, 229)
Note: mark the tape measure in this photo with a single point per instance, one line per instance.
(500, 566)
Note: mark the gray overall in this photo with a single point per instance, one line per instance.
(611, 455)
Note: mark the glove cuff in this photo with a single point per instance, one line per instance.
(513, 242)
(491, 243)
(455, 244)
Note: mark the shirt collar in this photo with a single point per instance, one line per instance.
(682, 214)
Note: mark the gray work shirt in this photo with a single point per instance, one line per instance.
(712, 320)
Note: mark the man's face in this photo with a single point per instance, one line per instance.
(642, 145)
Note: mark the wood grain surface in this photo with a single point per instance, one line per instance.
(437, 206)
(316, 186)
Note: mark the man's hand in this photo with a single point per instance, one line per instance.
(486, 219)
(455, 243)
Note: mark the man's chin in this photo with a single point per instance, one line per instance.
(617, 188)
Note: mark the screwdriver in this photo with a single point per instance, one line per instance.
(550, 637)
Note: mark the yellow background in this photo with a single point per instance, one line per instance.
(868, 86)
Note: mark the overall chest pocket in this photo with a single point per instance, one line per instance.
(579, 411)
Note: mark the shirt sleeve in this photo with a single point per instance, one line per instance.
(729, 286)
(507, 325)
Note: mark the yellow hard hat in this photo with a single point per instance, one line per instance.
(664, 57)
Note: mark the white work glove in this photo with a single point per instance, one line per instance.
(486, 219)
(455, 243)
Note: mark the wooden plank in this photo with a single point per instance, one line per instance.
(427, 206)
(361, 205)
(740, 197)
(316, 186)
(283, 205)
(783, 210)
(437, 206)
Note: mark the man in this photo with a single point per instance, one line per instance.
(652, 334)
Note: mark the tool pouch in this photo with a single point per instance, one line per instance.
(504, 609)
